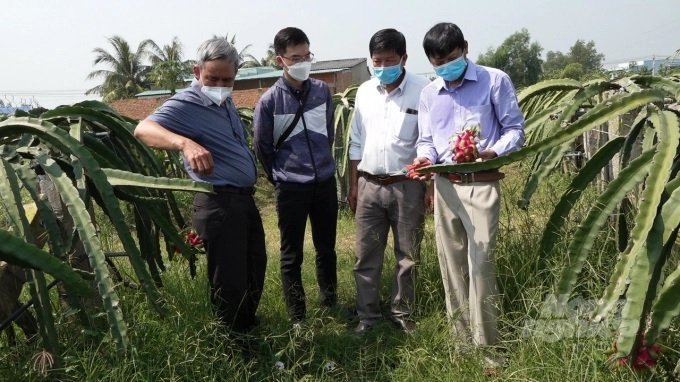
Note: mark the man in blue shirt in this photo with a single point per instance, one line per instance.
(204, 125)
(293, 128)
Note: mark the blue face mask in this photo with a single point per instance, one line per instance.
(387, 74)
(452, 70)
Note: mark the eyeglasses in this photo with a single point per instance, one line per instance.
(309, 57)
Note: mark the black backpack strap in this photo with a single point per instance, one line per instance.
(290, 128)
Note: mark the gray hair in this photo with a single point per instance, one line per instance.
(217, 48)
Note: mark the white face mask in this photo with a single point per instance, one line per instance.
(217, 94)
(300, 71)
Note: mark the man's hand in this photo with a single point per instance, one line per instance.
(352, 198)
(200, 159)
(487, 154)
(158, 137)
(413, 169)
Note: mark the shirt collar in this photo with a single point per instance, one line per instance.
(196, 85)
(470, 75)
(382, 89)
(292, 89)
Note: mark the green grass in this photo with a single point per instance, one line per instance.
(188, 345)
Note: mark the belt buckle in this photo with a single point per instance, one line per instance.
(467, 177)
(383, 178)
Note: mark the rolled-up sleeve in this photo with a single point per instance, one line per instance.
(425, 145)
(509, 116)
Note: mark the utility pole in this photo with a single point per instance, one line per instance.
(653, 64)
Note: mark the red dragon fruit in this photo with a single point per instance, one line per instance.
(464, 145)
(193, 239)
(646, 358)
(195, 242)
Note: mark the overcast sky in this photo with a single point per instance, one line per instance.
(47, 45)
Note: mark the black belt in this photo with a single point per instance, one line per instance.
(234, 190)
(473, 177)
(382, 180)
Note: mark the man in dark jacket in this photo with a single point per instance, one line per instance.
(293, 138)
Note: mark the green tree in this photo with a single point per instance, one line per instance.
(246, 59)
(574, 71)
(270, 58)
(554, 63)
(586, 55)
(168, 68)
(125, 74)
(517, 56)
(583, 53)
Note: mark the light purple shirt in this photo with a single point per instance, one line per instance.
(486, 98)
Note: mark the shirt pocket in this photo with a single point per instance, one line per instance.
(406, 127)
(481, 116)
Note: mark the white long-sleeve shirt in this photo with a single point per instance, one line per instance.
(385, 126)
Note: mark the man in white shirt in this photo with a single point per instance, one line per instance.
(382, 142)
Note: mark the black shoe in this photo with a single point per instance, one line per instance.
(363, 328)
(406, 325)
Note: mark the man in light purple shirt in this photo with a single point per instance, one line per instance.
(467, 205)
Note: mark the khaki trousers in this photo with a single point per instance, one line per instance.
(466, 223)
(401, 208)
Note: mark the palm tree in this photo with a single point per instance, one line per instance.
(126, 74)
(168, 69)
(246, 59)
(270, 58)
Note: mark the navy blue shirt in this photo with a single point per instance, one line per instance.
(218, 129)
